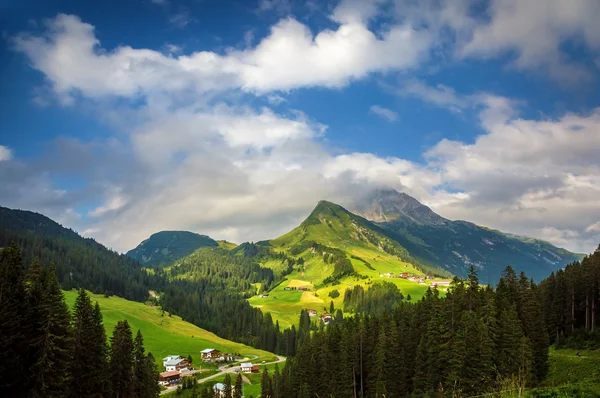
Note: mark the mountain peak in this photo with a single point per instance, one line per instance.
(384, 205)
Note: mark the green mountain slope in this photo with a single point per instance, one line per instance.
(455, 245)
(80, 262)
(335, 249)
(163, 334)
(165, 247)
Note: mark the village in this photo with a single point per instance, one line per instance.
(177, 368)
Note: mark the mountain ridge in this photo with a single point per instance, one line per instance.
(456, 245)
(165, 247)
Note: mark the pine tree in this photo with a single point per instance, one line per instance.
(50, 370)
(142, 376)
(227, 383)
(88, 353)
(121, 360)
(13, 335)
(265, 385)
(152, 388)
(238, 390)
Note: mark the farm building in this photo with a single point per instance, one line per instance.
(225, 357)
(326, 317)
(176, 363)
(170, 377)
(210, 354)
(264, 295)
(312, 312)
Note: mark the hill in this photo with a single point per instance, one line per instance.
(164, 334)
(165, 247)
(334, 249)
(80, 262)
(455, 245)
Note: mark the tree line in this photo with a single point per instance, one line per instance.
(210, 288)
(45, 351)
(80, 262)
(472, 341)
(571, 302)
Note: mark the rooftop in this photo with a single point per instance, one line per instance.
(207, 351)
(174, 361)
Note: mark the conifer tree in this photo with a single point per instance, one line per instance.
(50, 371)
(13, 332)
(227, 383)
(238, 390)
(89, 351)
(121, 360)
(265, 385)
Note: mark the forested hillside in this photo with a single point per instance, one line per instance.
(571, 300)
(80, 262)
(45, 351)
(165, 247)
(475, 340)
(210, 288)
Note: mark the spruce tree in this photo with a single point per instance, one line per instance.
(238, 390)
(227, 392)
(88, 353)
(121, 360)
(13, 332)
(265, 385)
(51, 369)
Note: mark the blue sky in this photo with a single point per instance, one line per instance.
(232, 118)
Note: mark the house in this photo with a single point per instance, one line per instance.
(225, 357)
(289, 288)
(246, 367)
(176, 363)
(219, 390)
(312, 312)
(429, 276)
(264, 295)
(404, 275)
(170, 357)
(254, 369)
(326, 318)
(210, 354)
(169, 377)
(303, 288)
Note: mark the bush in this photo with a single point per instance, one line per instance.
(334, 294)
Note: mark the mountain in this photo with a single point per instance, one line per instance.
(165, 247)
(330, 251)
(80, 262)
(455, 245)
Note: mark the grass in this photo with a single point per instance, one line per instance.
(163, 335)
(567, 370)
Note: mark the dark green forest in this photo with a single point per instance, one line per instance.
(472, 341)
(47, 352)
(210, 288)
(570, 298)
(80, 262)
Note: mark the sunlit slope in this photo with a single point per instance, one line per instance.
(163, 334)
(329, 227)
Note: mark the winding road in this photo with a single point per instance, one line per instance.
(223, 370)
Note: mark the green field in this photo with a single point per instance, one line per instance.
(569, 372)
(163, 335)
(334, 227)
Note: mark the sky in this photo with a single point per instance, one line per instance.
(234, 118)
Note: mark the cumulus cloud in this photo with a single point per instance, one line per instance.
(71, 57)
(5, 153)
(384, 113)
(192, 160)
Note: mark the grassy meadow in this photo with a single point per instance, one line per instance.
(163, 335)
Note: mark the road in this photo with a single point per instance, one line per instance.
(222, 370)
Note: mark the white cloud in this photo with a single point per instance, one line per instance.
(5, 153)
(536, 34)
(384, 113)
(70, 56)
(439, 95)
(181, 18)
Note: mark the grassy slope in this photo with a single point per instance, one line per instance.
(332, 226)
(163, 335)
(566, 369)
